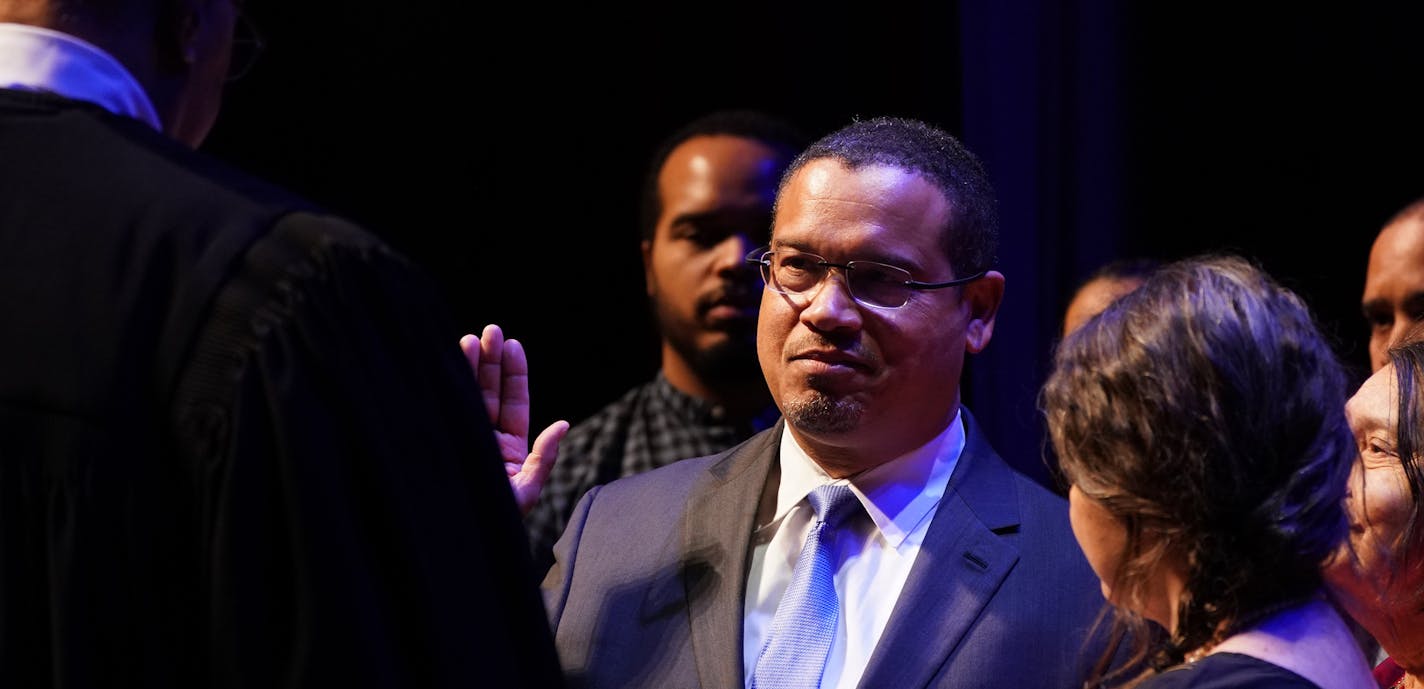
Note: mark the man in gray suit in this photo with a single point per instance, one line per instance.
(954, 570)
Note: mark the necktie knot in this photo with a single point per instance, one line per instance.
(833, 503)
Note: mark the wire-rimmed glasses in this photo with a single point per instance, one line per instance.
(247, 45)
(791, 272)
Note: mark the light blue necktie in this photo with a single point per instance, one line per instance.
(805, 620)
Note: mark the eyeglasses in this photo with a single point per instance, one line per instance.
(873, 284)
(247, 44)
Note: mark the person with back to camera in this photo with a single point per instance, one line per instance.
(1378, 577)
(706, 202)
(1199, 420)
(239, 445)
(871, 537)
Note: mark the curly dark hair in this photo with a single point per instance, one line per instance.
(971, 239)
(1205, 410)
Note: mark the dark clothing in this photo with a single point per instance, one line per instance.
(239, 445)
(650, 426)
(1229, 671)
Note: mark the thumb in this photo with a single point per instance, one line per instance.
(546, 451)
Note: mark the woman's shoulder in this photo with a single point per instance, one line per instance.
(1228, 671)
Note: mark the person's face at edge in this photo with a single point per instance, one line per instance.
(1379, 503)
(1393, 299)
(861, 385)
(1102, 536)
(716, 193)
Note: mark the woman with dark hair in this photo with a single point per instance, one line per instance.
(1379, 576)
(1199, 421)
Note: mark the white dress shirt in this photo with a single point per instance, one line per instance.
(38, 59)
(874, 555)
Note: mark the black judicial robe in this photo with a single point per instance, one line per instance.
(239, 445)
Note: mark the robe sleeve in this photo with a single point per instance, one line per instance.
(356, 526)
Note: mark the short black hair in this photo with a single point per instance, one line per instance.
(971, 239)
(778, 133)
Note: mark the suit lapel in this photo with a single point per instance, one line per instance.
(960, 565)
(717, 533)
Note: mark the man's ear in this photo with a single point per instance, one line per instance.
(982, 297)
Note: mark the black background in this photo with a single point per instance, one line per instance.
(501, 146)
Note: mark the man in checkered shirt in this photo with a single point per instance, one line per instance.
(706, 203)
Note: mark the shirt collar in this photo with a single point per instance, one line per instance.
(34, 58)
(898, 495)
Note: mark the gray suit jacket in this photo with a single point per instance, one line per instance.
(649, 584)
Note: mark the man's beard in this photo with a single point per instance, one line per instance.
(733, 359)
(821, 413)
